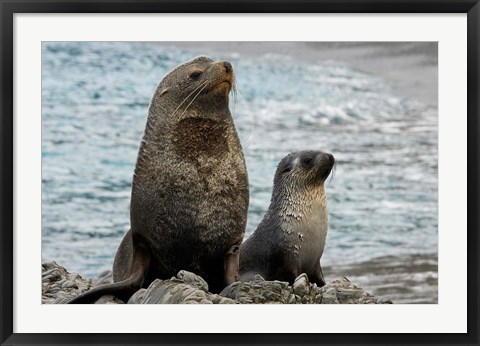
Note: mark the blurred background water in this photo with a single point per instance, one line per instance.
(381, 128)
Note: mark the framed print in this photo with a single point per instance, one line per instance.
(239, 173)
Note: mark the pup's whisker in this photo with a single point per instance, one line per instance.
(334, 168)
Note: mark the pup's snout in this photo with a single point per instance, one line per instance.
(330, 158)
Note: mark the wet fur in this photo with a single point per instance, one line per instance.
(190, 194)
(291, 237)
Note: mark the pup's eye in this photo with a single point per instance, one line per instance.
(286, 169)
(307, 162)
(195, 74)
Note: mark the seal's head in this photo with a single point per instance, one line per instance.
(197, 84)
(189, 113)
(303, 170)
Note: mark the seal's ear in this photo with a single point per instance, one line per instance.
(164, 91)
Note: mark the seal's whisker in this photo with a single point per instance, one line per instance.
(198, 93)
(234, 96)
(250, 113)
(186, 98)
(334, 168)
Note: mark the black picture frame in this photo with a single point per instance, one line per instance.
(9, 7)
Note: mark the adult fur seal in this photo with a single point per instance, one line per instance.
(190, 195)
(291, 237)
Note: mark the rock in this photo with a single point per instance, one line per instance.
(137, 296)
(69, 284)
(382, 300)
(193, 280)
(109, 299)
(59, 286)
(344, 292)
(176, 291)
(60, 300)
(104, 278)
(329, 296)
(301, 285)
(258, 291)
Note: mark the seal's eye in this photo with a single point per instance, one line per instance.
(307, 162)
(195, 75)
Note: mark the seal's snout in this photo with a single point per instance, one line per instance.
(330, 157)
(221, 78)
(324, 163)
(228, 67)
(322, 159)
(328, 161)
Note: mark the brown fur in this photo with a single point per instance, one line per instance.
(190, 189)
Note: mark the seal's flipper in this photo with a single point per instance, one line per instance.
(123, 289)
(231, 265)
(317, 276)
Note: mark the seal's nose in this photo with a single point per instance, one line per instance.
(331, 158)
(228, 66)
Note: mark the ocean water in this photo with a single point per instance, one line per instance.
(95, 97)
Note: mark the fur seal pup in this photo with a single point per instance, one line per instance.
(190, 193)
(291, 237)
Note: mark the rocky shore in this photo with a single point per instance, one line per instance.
(58, 286)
